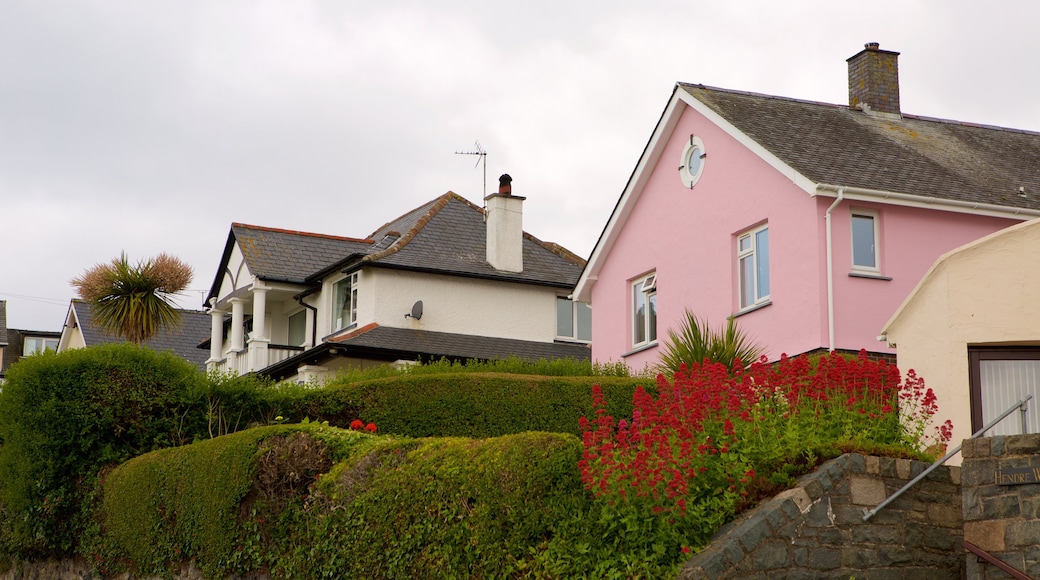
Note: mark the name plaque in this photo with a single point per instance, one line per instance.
(1016, 476)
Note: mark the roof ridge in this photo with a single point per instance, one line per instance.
(762, 95)
(438, 205)
(558, 250)
(302, 233)
(848, 108)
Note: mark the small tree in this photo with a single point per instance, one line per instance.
(696, 342)
(133, 300)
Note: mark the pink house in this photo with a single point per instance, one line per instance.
(808, 222)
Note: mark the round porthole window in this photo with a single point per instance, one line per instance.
(692, 162)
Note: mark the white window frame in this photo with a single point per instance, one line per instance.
(875, 217)
(753, 253)
(40, 344)
(288, 327)
(575, 307)
(694, 147)
(351, 282)
(643, 293)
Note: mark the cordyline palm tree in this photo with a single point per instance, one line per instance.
(696, 342)
(133, 300)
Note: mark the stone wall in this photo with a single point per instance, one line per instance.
(816, 530)
(1004, 520)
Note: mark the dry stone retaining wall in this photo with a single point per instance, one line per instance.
(816, 530)
(1004, 520)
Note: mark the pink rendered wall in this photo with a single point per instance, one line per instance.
(689, 238)
(911, 239)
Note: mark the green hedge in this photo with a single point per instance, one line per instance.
(63, 416)
(459, 404)
(187, 503)
(394, 508)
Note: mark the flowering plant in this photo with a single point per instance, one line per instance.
(358, 425)
(691, 454)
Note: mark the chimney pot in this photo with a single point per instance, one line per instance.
(505, 184)
(872, 46)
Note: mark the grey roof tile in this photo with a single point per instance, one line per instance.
(183, 340)
(935, 158)
(445, 235)
(292, 256)
(434, 345)
(450, 237)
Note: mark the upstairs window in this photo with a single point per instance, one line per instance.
(344, 302)
(31, 345)
(644, 311)
(753, 267)
(573, 320)
(864, 241)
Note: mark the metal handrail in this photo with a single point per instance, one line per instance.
(1021, 405)
(1004, 566)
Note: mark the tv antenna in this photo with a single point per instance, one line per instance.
(479, 152)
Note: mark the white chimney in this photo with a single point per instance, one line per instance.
(505, 228)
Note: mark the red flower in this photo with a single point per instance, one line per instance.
(357, 424)
(371, 427)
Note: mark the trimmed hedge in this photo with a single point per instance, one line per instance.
(459, 404)
(63, 416)
(394, 508)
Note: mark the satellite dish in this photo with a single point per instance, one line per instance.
(416, 310)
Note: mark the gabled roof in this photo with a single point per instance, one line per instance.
(279, 255)
(934, 158)
(446, 235)
(183, 340)
(824, 148)
(450, 237)
(387, 343)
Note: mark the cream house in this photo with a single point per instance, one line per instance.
(447, 279)
(971, 329)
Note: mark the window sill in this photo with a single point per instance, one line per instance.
(869, 276)
(752, 309)
(639, 349)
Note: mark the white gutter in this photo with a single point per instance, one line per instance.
(830, 269)
(906, 199)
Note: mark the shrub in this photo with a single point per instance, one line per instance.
(696, 342)
(691, 454)
(64, 416)
(196, 502)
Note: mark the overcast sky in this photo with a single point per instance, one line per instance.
(144, 126)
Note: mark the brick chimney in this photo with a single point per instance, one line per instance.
(874, 80)
(505, 228)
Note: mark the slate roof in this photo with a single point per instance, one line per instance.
(386, 343)
(450, 237)
(839, 145)
(183, 340)
(292, 256)
(446, 235)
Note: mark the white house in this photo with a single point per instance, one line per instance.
(447, 279)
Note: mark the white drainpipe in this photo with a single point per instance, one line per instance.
(830, 269)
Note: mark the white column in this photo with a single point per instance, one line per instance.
(258, 340)
(259, 314)
(216, 338)
(238, 315)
